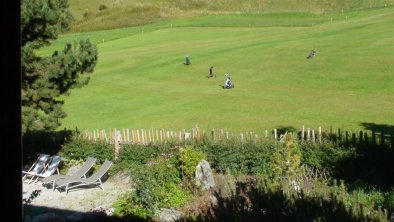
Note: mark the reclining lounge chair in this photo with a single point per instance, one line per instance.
(80, 173)
(48, 170)
(95, 179)
(37, 167)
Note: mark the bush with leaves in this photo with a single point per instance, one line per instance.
(247, 157)
(79, 148)
(287, 159)
(326, 155)
(157, 185)
(261, 199)
(189, 159)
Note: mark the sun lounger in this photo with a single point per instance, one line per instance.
(48, 170)
(37, 167)
(95, 179)
(81, 172)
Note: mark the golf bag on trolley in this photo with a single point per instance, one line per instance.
(228, 84)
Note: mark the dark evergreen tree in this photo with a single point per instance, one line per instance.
(46, 79)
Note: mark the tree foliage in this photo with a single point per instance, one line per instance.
(46, 79)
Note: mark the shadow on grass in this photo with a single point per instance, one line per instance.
(371, 165)
(283, 129)
(251, 203)
(385, 129)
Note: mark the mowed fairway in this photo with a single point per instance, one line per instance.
(140, 80)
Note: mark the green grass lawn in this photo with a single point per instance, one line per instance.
(140, 80)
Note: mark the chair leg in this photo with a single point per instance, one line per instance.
(101, 184)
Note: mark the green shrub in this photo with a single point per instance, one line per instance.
(189, 159)
(287, 159)
(248, 157)
(262, 199)
(326, 155)
(79, 148)
(389, 201)
(157, 185)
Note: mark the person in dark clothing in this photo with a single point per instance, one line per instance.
(187, 61)
(211, 73)
(312, 54)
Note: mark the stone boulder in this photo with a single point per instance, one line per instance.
(204, 175)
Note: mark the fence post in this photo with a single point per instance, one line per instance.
(339, 135)
(381, 138)
(366, 138)
(354, 139)
(117, 143)
(373, 138)
(143, 135)
(105, 136)
(266, 133)
(124, 135)
(346, 138)
(313, 136)
(213, 134)
(361, 137)
(197, 132)
(275, 134)
(320, 134)
(303, 133)
(308, 135)
(242, 138)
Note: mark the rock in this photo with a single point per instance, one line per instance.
(169, 215)
(123, 177)
(204, 176)
(48, 217)
(77, 216)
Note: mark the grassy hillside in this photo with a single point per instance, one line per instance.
(140, 81)
(110, 14)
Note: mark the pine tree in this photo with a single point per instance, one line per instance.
(45, 79)
(287, 159)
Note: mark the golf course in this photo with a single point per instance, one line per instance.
(140, 80)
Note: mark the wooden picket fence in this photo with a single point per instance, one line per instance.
(118, 137)
(159, 136)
